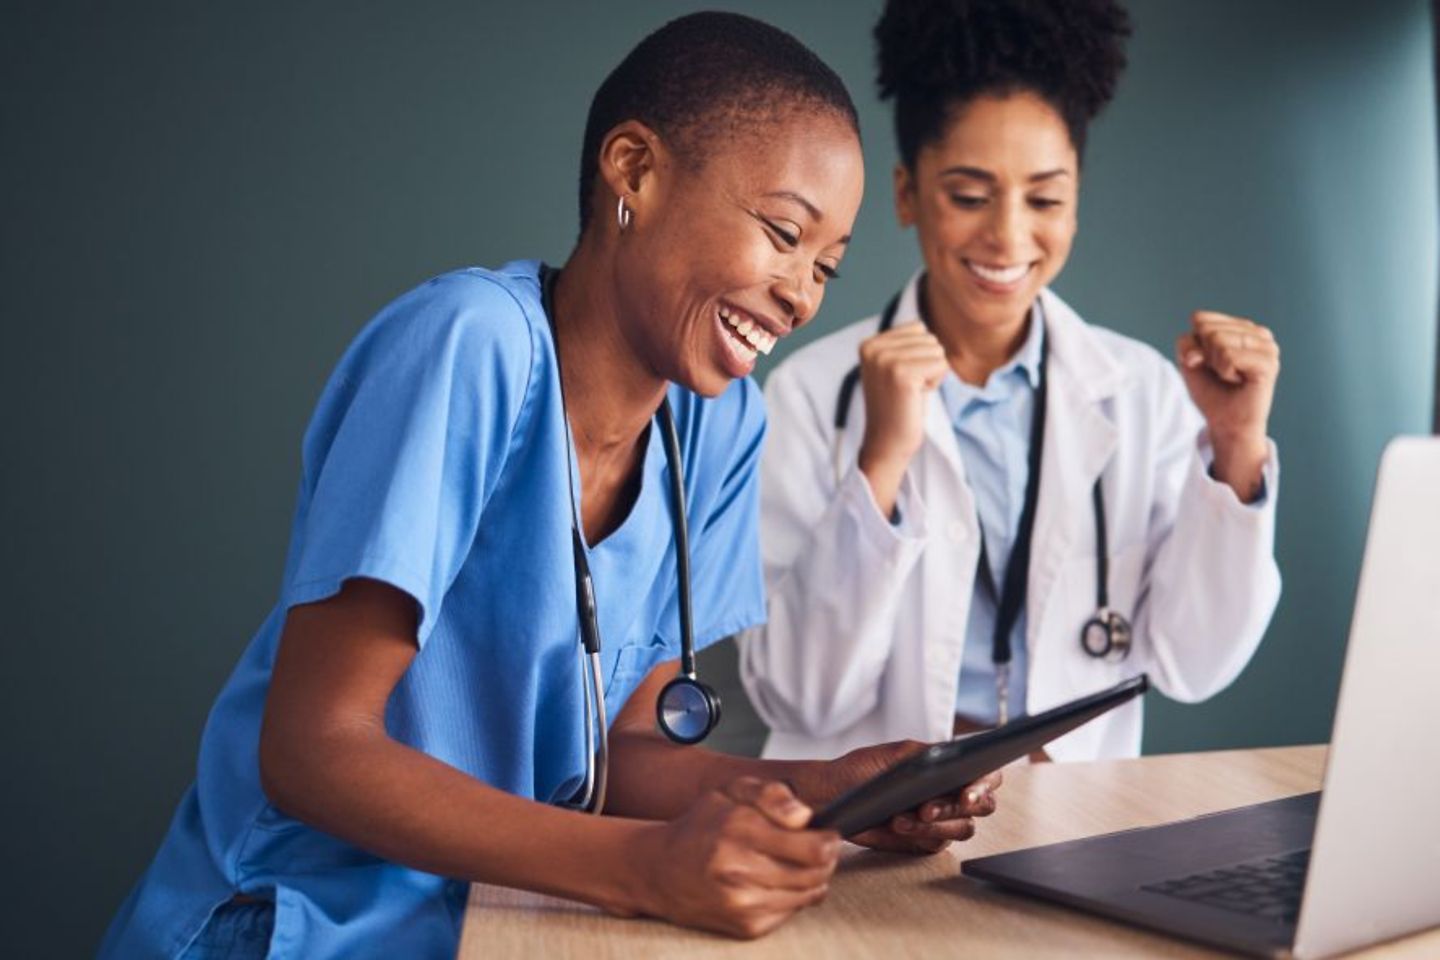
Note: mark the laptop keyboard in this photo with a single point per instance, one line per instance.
(1269, 888)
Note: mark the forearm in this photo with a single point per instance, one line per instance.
(884, 476)
(412, 809)
(653, 778)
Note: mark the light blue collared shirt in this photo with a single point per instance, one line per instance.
(992, 425)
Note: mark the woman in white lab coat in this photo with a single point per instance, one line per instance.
(1016, 507)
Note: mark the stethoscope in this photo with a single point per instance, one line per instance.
(1107, 635)
(686, 710)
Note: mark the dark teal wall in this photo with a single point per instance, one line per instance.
(200, 204)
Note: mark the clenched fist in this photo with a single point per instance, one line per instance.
(1230, 365)
(898, 369)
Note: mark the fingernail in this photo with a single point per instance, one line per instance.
(1193, 358)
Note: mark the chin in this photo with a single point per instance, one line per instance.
(709, 384)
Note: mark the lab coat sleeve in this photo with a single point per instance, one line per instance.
(1212, 578)
(834, 570)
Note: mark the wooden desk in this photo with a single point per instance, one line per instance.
(895, 907)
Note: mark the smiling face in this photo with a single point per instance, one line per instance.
(726, 255)
(994, 204)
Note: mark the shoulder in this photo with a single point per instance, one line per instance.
(1100, 355)
(829, 356)
(460, 349)
(468, 321)
(812, 374)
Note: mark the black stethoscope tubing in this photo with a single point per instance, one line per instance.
(686, 710)
(1106, 635)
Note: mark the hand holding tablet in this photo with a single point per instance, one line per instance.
(944, 769)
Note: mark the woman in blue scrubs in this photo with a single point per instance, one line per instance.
(411, 716)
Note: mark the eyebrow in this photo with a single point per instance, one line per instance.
(810, 208)
(975, 173)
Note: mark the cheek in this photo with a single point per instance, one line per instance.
(1055, 239)
(944, 228)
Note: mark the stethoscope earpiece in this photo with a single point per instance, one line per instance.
(687, 710)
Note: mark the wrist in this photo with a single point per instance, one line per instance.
(1246, 443)
(808, 779)
(1239, 461)
(883, 474)
(629, 888)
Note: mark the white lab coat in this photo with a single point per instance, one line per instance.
(867, 619)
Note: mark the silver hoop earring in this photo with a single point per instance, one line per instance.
(623, 215)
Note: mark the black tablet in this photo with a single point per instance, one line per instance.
(943, 769)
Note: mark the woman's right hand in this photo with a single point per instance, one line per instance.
(898, 369)
(738, 862)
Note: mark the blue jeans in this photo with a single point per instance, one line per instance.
(235, 931)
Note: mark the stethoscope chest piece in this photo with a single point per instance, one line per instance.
(687, 710)
(1107, 635)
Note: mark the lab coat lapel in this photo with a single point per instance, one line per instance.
(951, 525)
(1080, 439)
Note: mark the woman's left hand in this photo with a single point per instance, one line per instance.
(928, 829)
(1230, 366)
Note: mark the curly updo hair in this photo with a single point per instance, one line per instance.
(935, 56)
(706, 78)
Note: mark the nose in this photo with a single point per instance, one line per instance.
(798, 295)
(1007, 224)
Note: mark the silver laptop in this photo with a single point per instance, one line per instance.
(1321, 873)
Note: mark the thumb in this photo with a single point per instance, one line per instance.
(772, 798)
(1188, 353)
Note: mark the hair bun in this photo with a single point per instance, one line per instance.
(1070, 51)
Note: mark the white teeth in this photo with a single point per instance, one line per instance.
(751, 332)
(1004, 275)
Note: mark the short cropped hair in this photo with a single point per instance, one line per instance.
(704, 77)
(935, 56)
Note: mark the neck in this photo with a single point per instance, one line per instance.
(974, 350)
(610, 393)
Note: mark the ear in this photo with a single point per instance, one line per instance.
(630, 155)
(904, 196)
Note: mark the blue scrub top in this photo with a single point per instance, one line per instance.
(436, 462)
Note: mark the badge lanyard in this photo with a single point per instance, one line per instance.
(1010, 598)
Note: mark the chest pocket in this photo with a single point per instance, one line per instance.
(633, 662)
(1084, 673)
